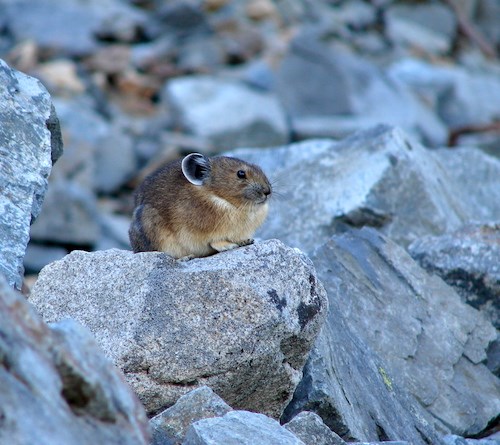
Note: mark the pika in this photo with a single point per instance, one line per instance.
(198, 206)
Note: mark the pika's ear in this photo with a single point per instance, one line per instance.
(196, 168)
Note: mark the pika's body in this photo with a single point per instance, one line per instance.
(198, 206)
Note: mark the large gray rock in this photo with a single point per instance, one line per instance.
(30, 141)
(226, 112)
(240, 428)
(309, 428)
(378, 178)
(57, 387)
(171, 425)
(469, 260)
(348, 385)
(431, 342)
(241, 322)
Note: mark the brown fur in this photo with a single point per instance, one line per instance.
(186, 220)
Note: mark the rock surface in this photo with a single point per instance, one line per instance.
(240, 428)
(30, 141)
(171, 425)
(347, 384)
(469, 260)
(241, 322)
(57, 387)
(434, 348)
(309, 428)
(378, 178)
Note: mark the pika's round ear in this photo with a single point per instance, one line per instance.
(196, 168)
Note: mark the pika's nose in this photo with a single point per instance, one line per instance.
(267, 191)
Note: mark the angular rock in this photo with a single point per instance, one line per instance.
(57, 387)
(432, 343)
(347, 384)
(226, 112)
(461, 96)
(240, 428)
(309, 428)
(385, 442)
(430, 26)
(468, 260)
(99, 158)
(377, 178)
(241, 322)
(171, 425)
(38, 256)
(73, 27)
(452, 439)
(69, 215)
(30, 142)
(346, 93)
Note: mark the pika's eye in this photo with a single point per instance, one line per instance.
(241, 174)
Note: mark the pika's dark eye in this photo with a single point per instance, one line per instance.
(241, 174)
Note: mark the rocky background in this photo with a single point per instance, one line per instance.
(378, 123)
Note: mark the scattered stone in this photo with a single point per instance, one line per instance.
(461, 96)
(60, 77)
(113, 231)
(30, 142)
(226, 112)
(379, 178)
(240, 428)
(452, 439)
(69, 216)
(72, 28)
(434, 348)
(469, 260)
(346, 93)
(309, 428)
(388, 442)
(428, 26)
(57, 387)
(172, 424)
(248, 316)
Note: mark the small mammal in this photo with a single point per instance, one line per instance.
(199, 206)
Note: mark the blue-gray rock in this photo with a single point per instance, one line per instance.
(99, 158)
(349, 386)
(461, 96)
(30, 141)
(346, 93)
(73, 27)
(469, 260)
(385, 442)
(226, 112)
(431, 342)
(379, 178)
(431, 27)
(241, 322)
(240, 428)
(309, 428)
(57, 387)
(452, 439)
(171, 425)
(38, 256)
(69, 216)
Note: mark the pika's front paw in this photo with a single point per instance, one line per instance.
(185, 258)
(245, 242)
(222, 246)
